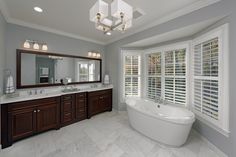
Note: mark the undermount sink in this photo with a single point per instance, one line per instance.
(70, 90)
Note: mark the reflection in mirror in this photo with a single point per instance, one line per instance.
(48, 69)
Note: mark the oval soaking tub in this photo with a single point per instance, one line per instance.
(167, 124)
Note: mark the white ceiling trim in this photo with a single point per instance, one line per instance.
(55, 31)
(4, 10)
(181, 12)
(195, 6)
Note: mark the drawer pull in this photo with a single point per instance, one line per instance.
(38, 110)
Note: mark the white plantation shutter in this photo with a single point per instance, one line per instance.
(175, 76)
(132, 75)
(167, 78)
(154, 75)
(206, 78)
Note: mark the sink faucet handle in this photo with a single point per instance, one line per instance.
(41, 91)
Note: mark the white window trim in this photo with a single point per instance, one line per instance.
(222, 33)
(163, 49)
(122, 72)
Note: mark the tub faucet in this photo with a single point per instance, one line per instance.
(160, 100)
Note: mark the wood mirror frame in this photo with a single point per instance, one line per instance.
(18, 68)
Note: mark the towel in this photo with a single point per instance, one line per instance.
(9, 85)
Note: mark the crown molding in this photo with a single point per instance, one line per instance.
(55, 31)
(195, 6)
(4, 10)
(9, 19)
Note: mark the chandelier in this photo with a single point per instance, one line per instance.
(121, 14)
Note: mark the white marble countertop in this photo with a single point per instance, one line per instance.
(48, 94)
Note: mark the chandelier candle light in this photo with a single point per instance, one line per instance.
(121, 12)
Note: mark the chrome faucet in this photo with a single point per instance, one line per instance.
(160, 100)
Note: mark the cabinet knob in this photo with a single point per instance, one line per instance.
(38, 110)
(35, 111)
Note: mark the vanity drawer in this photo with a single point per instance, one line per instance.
(102, 92)
(32, 103)
(69, 97)
(81, 95)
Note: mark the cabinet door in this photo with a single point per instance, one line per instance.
(107, 102)
(81, 106)
(93, 105)
(22, 123)
(47, 117)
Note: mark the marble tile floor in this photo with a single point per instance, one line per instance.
(105, 135)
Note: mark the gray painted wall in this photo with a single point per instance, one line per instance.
(223, 8)
(16, 35)
(2, 54)
(2, 50)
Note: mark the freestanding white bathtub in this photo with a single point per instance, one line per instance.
(164, 123)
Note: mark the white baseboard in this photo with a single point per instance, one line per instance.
(211, 145)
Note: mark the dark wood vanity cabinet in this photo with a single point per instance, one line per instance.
(20, 120)
(99, 101)
(23, 119)
(67, 109)
(73, 108)
(81, 106)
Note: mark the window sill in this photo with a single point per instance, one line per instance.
(221, 131)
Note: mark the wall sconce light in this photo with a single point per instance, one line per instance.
(90, 54)
(44, 47)
(35, 45)
(98, 55)
(94, 54)
(27, 44)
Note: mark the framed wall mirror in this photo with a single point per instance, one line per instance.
(42, 69)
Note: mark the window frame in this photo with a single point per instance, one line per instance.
(176, 46)
(222, 125)
(122, 71)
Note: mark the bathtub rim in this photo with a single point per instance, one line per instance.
(182, 122)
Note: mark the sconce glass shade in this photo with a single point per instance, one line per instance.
(26, 44)
(90, 54)
(118, 7)
(44, 47)
(100, 7)
(94, 54)
(36, 46)
(98, 55)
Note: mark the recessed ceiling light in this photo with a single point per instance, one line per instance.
(38, 9)
(108, 33)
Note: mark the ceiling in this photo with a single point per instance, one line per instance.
(181, 33)
(71, 17)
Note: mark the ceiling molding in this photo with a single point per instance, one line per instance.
(195, 6)
(55, 31)
(4, 10)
